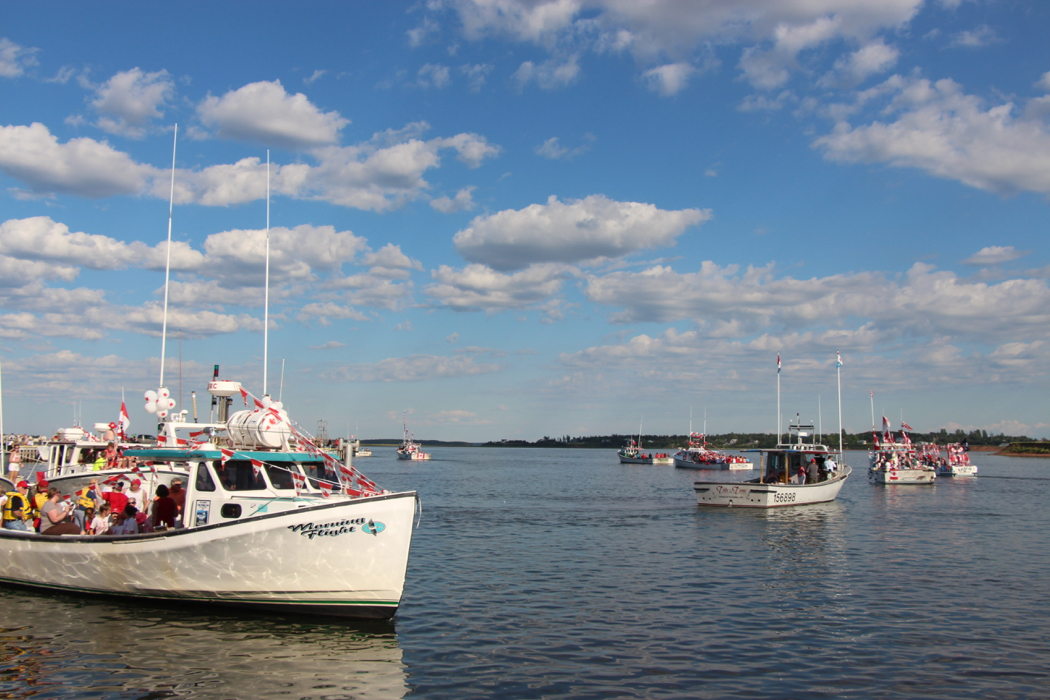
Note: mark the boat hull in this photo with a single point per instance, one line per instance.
(733, 466)
(902, 476)
(646, 460)
(753, 494)
(957, 470)
(347, 559)
(413, 456)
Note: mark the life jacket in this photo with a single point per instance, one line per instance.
(99, 464)
(82, 499)
(9, 509)
(37, 503)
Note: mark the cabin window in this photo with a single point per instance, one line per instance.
(239, 475)
(280, 477)
(231, 510)
(204, 481)
(773, 463)
(316, 472)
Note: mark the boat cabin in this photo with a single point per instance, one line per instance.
(783, 463)
(249, 483)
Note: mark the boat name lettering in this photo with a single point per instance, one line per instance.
(329, 529)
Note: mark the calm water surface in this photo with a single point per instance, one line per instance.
(563, 574)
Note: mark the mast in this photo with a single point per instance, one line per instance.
(167, 262)
(778, 398)
(872, 394)
(838, 373)
(266, 296)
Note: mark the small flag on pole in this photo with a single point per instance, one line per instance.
(778, 363)
(124, 420)
(839, 362)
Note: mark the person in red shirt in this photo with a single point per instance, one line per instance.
(164, 508)
(116, 498)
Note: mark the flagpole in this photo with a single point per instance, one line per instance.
(872, 393)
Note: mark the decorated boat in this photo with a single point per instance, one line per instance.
(699, 456)
(957, 463)
(793, 473)
(898, 462)
(270, 521)
(410, 450)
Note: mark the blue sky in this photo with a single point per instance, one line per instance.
(514, 218)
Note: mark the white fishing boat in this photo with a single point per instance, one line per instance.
(410, 449)
(270, 521)
(632, 453)
(780, 483)
(793, 473)
(355, 448)
(699, 456)
(892, 462)
(957, 463)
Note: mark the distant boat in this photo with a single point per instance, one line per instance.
(354, 445)
(410, 450)
(699, 456)
(631, 453)
(957, 463)
(780, 484)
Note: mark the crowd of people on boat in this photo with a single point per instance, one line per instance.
(811, 471)
(121, 508)
(889, 461)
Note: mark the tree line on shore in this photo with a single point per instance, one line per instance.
(741, 441)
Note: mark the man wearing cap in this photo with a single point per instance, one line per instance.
(137, 496)
(16, 507)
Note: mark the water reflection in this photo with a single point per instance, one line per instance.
(55, 646)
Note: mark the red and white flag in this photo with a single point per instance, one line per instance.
(124, 421)
(227, 455)
(300, 482)
(256, 466)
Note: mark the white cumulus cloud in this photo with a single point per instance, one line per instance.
(576, 231)
(265, 113)
(130, 100)
(938, 128)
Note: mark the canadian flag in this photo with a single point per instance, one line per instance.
(124, 422)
